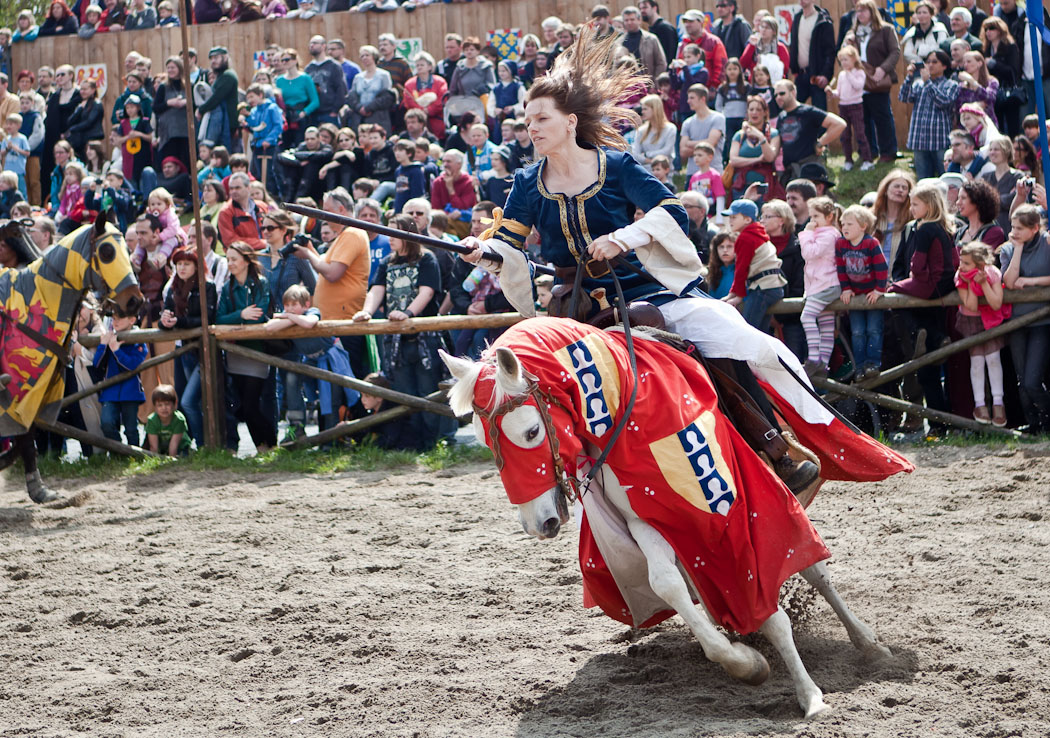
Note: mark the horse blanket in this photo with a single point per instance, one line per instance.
(737, 531)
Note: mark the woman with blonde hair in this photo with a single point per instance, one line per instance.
(656, 135)
(1004, 178)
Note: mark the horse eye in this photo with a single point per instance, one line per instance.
(532, 433)
(106, 253)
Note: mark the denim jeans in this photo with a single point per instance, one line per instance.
(299, 389)
(1030, 349)
(126, 413)
(755, 307)
(383, 191)
(866, 337)
(928, 163)
(190, 401)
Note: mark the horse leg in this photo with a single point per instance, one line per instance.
(740, 661)
(777, 629)
(862, 636)
(38, 491)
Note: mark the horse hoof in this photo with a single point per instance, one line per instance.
(750, 666)
(813, 705)
(43, 495)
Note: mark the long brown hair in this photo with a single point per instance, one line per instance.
(876, 17)
(413, 250)
(882, 204)
(588, 82)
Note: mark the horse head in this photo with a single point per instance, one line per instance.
(102, 245)
(529, 431)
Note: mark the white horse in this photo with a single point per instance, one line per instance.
(537, 419)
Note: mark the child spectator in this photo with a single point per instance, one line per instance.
(762, 86)
(266, 122)
(161, 205)
(380, 157)
(166, 15)
(686, 72)
(497, 187)
(507, 99)
(662, 171)
(70, 198)
(544, 286)
(849, 89)
(120, 402)
(817, 241)
(977, 277)
(862, 270)
(218, 166)
(92, 18)
(706, 180)
(166, 430)
(731, 99)
(757, 281)
(111, 194)
(409, 180)
(323, 352)
(721, 264)
(395, 434)
(136, 140)
(9, 195)
(15, 149)
(479, 153)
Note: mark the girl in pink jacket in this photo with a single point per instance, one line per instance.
(817, 242)
(849, 89)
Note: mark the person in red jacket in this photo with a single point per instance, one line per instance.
(758, 282)
(240, 218)
(453, 192)
(714, 50)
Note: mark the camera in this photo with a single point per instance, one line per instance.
(762, 188)
(288, 250)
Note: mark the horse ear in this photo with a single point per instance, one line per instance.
(100, 222)
(508, 363)
(457, 367)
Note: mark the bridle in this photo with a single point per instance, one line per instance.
(543, 402)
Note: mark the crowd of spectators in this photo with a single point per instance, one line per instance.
(731, 111)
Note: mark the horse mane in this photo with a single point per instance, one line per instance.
(461, 396)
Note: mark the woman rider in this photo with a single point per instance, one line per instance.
(581, 196)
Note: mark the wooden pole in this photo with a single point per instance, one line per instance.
(894, 301)
(899, 405)
(292, 366)
(91, 439)
(211, 402)
(124, 376)
(940, 354)
(372, 327)
(137, 335)
(357, 426)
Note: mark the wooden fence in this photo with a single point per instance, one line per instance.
(430, 24)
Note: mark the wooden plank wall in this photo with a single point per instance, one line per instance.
(430, 24)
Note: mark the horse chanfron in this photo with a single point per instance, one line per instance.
(107, 255)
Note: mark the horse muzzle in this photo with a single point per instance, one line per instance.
(130, 300)
(544, 516)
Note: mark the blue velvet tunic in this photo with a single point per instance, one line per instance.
(568, 224)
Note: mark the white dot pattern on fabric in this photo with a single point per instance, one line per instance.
(591, 564)
(542, 469)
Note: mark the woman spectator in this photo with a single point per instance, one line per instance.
(1025, 263)
(60, 105)
(85, 123)
(976, 85)
(348, 163)
(60, 21)
(94, 158)
(25, 82)
(765, 48)
(753, 151)
(427, 91)
(892, 199)
(1026, 159)
(656, 135)
(1004, 63)
(213, 195)
(473, 77)
(140, 17)
(371, 95)
(530, 47)
(26, 28)
(182, 309)
(925, 267)
(246, 299)
(282, 271)
(169, 106)
(406, 286)
(779, 222)
(925, 34)
(508, 96)
(62, 156)
(300, 98)
(113, 17)
(978, 206)
(876, 40)
(1004, 178)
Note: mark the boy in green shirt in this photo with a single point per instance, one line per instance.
(166, 428)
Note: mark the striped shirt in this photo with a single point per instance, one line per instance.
(861, 268)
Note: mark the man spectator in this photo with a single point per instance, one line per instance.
(43, 233)
(240, 218)
(453, 53)
(812, 52)
(330, 81)
(668, 34)
(933, 96)
(133, 82)
(966, 159)
(977, 16)
(416, 125)
(714, 50)
(643, 45)
(222, 104)
(700, 229)
(805, 131)
(817, 173)
(398, 69)
(703, 125)
(798, 193)
(600, 18)
(731, 27)
(300, 169)
(337, 50)
(453, 192)
(196, 73)
(959, 21)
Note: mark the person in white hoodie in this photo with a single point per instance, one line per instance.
(926, 34)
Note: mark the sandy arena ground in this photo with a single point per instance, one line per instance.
(411, 604)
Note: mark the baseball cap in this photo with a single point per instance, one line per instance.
(743, 207)
(218, 50)
(692, 15)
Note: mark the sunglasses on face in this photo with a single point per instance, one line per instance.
(268, 228)
(286, 59)
(414, 213)
(781, 94)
